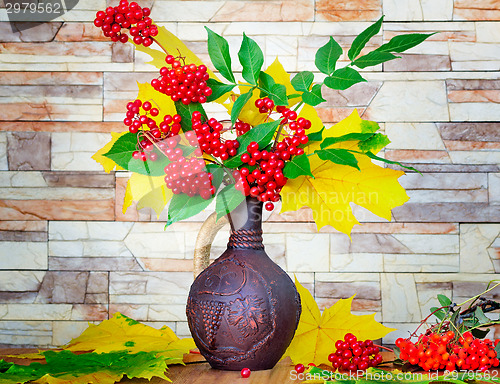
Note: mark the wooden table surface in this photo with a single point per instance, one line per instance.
(196, 371)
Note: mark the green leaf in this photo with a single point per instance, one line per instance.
(218, 89)
(298, 166)
(375, 157)
(218, 50)
(343, 78)
(262, 134)
(338, 156)
(440, 314)
(316, 136)
(227, 200)
(348, 137)
(186, 112)
(239, 104)
(374, 58)
(218, 174)
(302, 81)
(375, 143)
(183, 207)
(251, 59)
(360, 41)
(66, 365)
(479, 314)
(368, 126)
(403, 42)
(480, 333)
(266, 82)
(313, 97)
(121, 153)
(278, 94)
(327, 56)
(497, 350)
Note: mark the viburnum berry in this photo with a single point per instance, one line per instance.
(186, 83)
(208, 137)
(352, 354)
(245, 373)
(129, 16)
(299, 368)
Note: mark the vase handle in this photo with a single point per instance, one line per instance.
(204, 241)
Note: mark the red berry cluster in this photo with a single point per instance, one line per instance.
(266, 180)
(187, 83)
(188, 176)
(448, 351)
(241, 127)
(208, 135)
(127, 16)
(353, 355)
(134, 120)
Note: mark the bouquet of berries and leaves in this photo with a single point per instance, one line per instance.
(272, 146)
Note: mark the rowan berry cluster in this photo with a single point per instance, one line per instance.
(267, 179)
(352, 354)
(187, 83)
(449, 351)
(208, 136)
(127, 16)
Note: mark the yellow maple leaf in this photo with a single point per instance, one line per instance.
(335, 186)
(107, 163)
(148, 191)
(280, 76)
(249, 113)
(163, 102)
(122, 333)
(316, 333)
(101, 377)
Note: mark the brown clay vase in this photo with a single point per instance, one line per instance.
(243, 309)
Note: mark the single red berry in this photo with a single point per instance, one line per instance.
(245, 373)
(299, 368)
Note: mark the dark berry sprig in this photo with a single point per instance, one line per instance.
(352, 354)
(130, 17)
(187, 83)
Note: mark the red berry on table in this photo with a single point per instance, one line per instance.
(299, 368)
(245, 373)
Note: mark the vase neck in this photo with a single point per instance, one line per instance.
(246, 225)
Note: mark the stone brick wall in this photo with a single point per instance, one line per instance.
(69, 256)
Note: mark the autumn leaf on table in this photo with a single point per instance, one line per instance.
(316, 333)
(69, 368)
(121, 332)
(335, 186)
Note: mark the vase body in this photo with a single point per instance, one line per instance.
(243, 309)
